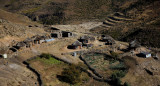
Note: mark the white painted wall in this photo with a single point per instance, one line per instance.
(4, 56)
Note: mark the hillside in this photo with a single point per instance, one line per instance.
(59, 11)
(121, 17)
(63, 11)
(16, 27)
(125, 25)
(79, 42)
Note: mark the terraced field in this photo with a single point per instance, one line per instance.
(104, 65)
(112, 21)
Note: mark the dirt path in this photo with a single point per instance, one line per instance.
(80, 28)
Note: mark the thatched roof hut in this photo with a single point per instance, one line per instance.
(158, 55)
(134, 44)
(86, 39)
(52, 29)
(77, 43)
(20, 45)
(108, 39)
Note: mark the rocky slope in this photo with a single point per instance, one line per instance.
(13, 73)
(16, 27)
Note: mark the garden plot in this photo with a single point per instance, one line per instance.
(104, 64)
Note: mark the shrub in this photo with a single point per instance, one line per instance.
(114, 55)
(48, 59)
(126, 84)
(115, 80)
(45, 55)
(72, 74)
(120, 74)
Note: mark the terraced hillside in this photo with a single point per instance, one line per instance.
(111, 21)
(137, 15)
(114, 25)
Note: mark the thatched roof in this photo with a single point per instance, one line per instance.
(77, 43)
(28, 40)
(134, 43)
(158, 55)
(53, 28)
(20, 44)
(85, 37)
(40, 38)
(107, 37)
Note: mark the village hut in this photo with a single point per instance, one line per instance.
(75, 45)
(3, 53)
(29, 42)
(134, 44)
(144, 54)
(107, 39)
(39, 39)
(66, 34)
(52, 29)
(86, 39)
(56, 35)
(13, 49)
(157, 55)
(20, 45)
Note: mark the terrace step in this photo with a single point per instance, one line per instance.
(114, 19)
(122, 18)
(107, 24)
(118, 14)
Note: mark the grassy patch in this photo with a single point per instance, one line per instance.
(31, 10)
(49, 61)
(121, 65)
(105, 65)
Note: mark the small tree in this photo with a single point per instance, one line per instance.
(126, 84)
(118, 82)
(72, 74)
(115, 80)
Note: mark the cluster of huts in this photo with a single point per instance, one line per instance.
(87, 41)
(108, 40)
(134, 47)
(29, 42)
(84, 41)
